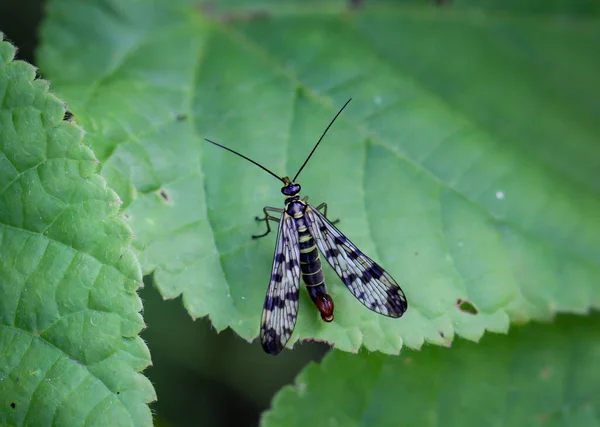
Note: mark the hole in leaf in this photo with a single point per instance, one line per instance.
(13, 405)
(466, 306)
(68, 116)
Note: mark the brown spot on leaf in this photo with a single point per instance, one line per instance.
(211, 10)
(163, 193)
(546, 372)
(354, 4)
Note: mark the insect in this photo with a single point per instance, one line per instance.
(304, 230)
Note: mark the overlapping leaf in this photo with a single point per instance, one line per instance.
(538, 375)
(69, 312)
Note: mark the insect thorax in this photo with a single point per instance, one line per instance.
(295, 207)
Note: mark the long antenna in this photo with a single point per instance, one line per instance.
(244, 157)
(319, 141)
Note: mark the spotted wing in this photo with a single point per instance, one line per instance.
(281, 303)
(367, 281)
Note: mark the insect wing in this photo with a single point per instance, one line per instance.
(367, 281)
(281, 303)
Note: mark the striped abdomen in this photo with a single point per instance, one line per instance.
(312, 273)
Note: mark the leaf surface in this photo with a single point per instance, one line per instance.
(466, 164)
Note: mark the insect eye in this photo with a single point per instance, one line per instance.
(291, 189)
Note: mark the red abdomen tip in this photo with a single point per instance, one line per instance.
(325, 305)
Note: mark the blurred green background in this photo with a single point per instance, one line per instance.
(204, 378)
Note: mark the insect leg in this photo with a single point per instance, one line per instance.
(266, 219)
(324, 207)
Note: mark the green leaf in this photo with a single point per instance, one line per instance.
(538, 375)
(69, 312)
(466, 164)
